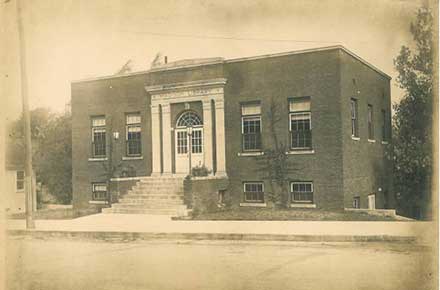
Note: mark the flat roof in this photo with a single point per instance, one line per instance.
(240, 59)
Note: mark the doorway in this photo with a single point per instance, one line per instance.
(188, 142)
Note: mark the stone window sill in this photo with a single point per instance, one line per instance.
(371, 141)
(257, 153)
(98, 202)
(253, 204)
(98, 159)
(303, 205)
(355, 138)
(132, 157)
(299, 152)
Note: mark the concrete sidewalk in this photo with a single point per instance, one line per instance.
(128, 226)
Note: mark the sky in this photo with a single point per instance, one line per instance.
(68, 40)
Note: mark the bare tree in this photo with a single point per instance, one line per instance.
(274, 162)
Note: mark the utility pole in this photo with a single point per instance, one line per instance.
(29, 199)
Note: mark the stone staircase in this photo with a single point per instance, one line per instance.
(152, 195)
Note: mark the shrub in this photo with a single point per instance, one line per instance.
(199, 171)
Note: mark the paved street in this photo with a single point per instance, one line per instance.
(63, 264)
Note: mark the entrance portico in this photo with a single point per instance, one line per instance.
(177, 146)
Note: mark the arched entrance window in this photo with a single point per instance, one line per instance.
(189, 119)
(189, 141)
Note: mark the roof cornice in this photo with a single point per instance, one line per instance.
(241, 59)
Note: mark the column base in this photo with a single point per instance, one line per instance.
(220, 174)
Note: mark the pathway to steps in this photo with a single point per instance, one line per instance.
(156, 195)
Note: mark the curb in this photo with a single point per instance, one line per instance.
(140, 236)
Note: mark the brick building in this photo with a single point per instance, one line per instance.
(334, 120)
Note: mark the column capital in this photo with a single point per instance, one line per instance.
(154, 108)
(219, 103)
(166, 108)
(206, 104)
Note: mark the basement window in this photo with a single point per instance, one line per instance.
(253, 192)
(99, 191)
(301, 192)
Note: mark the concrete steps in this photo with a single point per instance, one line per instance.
(152, 195)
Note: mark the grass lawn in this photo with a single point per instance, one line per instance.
(290, 215)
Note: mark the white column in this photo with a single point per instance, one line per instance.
(166, 138)
(207, 133)
(155, 140)
(220, 136)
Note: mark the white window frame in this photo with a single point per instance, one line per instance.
(262, 191)
(302, 201)
(128, 125)
(101, 127)
(95, 184)
(291, 114)
(251, 118)
(354, 118)
(370, 122)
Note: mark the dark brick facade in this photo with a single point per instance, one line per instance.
(340, 167)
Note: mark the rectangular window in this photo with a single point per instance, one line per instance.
(253, 192)
(251, 127)
(357, 202)
(370, 123)
(99, 191)
(300, 123)
(301, 192)
(384, 126)
(98, 137)
(133, 134)
(19, 180)
(354, 119)
(182, 140)
(196, 141)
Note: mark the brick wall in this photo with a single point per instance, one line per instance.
(366, 168)
(202, 194)
(112, 98)
(339, 166)
(313, 75)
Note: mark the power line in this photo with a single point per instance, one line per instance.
(227, 37)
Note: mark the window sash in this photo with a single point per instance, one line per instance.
(354, 121)
(19, 180)
(253, 192)
(302, 192)
(182, 142)
(98, 122)
(300, 130)
(99, 191)
(251, 132)
(197, 142)
(370, 123)
(132, 119)
(133, 140)
(98, 142)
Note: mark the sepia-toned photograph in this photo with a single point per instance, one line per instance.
(236, 145)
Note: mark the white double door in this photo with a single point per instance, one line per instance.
(188, 149)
